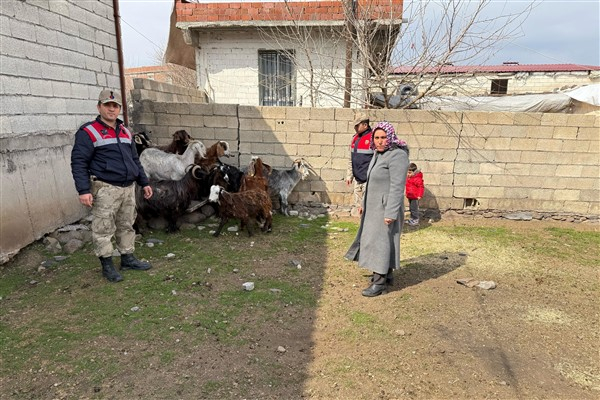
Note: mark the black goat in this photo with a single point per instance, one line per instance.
(171, 198)
(142, 142)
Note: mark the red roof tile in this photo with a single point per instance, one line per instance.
(471, 69)
(326, 11)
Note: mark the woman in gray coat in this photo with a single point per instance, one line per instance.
(377, 243)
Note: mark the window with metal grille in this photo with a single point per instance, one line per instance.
(499, 86)
(276, 78)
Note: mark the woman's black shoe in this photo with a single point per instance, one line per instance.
(374, 290)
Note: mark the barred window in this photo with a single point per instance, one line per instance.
(276, 78)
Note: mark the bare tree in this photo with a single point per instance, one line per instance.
(388, 54)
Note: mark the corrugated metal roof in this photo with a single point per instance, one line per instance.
(473, 69)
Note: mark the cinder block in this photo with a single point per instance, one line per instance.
(298, 137)
(225, 109)
(501, 118)
(273, 112)
(309, 150)
(436, 167)
(201, 109)
(330, 126)
(192, 120)
(554, 119)
(569, 170)
(516, 193)
(249, 112)
(321, 138)
(475, 118)
(590, 171)
(581, 120)
(494, 168)
(524, 144)
(566, 194)
(541, 194)
(507, 180)
(467, 192)
(542, 170)
(474, 155)
(491, 192)
(589, 134)
(578, 146)
(479, 180)
(226, 134)
(215, 121)
(437, 155)
(589, 195)
(322, 114)
(540, 132)
(581, 207)
(527, 118)
(565, 132)
(313, 126)
(302, 114)
(425, 116)
(346, 114)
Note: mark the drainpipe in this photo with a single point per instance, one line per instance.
(117, 17)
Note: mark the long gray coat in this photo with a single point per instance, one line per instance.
(377, 245)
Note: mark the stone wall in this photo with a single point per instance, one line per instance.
(56, 57)
(471, 160)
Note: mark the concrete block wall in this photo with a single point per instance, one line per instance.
(470, 160)
(56, 57)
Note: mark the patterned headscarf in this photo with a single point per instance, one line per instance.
(392, 139)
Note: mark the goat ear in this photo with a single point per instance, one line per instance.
(137, 139)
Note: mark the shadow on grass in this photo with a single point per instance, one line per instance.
(430, 266)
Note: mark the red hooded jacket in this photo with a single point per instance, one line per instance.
(414, 186)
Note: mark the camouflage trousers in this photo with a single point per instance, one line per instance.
(113, 214)
(359, 193)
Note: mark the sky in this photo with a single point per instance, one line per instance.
(556, 32)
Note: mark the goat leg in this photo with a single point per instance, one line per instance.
(248, 227)
(221, 225)
(283, 203)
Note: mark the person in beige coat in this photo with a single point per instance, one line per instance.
(377, 243)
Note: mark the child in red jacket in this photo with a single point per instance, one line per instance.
(414, 192)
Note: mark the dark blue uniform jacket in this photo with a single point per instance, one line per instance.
(107, 154)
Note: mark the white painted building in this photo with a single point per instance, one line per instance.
(278, 53)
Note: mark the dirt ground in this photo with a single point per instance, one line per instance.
(535, 336)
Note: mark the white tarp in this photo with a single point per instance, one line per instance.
(587, 94)
(555, 102)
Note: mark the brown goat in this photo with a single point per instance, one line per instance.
(255, 179)
(249, 206)
(219, 149)
(179, 143)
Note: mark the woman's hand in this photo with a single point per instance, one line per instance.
(388, 221)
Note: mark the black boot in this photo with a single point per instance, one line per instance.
(377, 287)
(109, 271)
(128, 261)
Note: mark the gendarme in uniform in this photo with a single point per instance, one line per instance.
(105, 167)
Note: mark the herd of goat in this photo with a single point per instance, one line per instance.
(185, 170)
